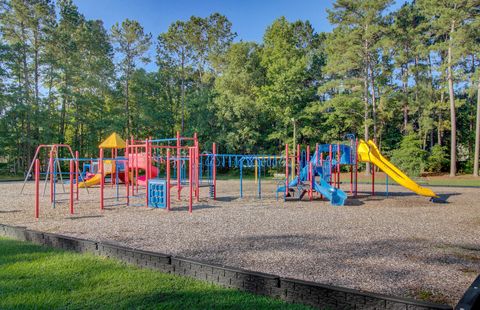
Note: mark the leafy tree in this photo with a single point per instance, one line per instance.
(24, 27)
(95, 76)
(132, 43)
(240, 114)
(359, 33)
(406, 77)
(410, 157)
(448, 20)
(194, 46)
(174, 51)
(438, 159)
(473, 41)
(332, 119)
(289, 85)
(405, 34)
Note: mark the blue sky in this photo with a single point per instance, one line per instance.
(249, 17)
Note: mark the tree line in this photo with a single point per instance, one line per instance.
(408, 78)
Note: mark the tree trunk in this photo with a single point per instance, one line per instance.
(366, 114)
(76, 139)
(127, 106)
(63, 113)
(183, 93)
(431, 138)
(424, 146)
(453, 118)
(477, 134)
(440, 120)
(36, 78)
(405, 102)
(416, 79)
(26, 90)
(374, 102)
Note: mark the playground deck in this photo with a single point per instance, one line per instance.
(401, 245)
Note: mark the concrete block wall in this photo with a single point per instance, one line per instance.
(291, 290)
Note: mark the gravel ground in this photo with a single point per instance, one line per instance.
(401, 245)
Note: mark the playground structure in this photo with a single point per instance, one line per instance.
(145, 170)
(368, 152)
(320, 173)
(155, 155)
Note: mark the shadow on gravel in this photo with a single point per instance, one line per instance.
(444, 197)
(195, 207)
(354, 202)
(366, 196)
(314, 257)
(227, 198)
(10, 211)
(84, 217)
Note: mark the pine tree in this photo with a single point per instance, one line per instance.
(448, 20)
(132, 43)
(358, 33)
(289, 85)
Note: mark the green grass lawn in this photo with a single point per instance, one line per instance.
(11, 178)
(33, 276)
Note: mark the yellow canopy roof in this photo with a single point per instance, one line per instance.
(113, 142)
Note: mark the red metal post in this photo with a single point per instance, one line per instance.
(102, 178)
(132, 154)
(168, 180)
(356, 167)
(127, 172)
(321, 164)
(214, 170)
(197, 167)
(309, 170)
(197, 171)
(151, 162)
(298, 160)
(77, 171)
(310, 191)
(179, 164)
(308, 160)
(135, 164)
(190, 178)
(338, 165)
(72, 169)
(330, 160)
(37, 187)
(50, 173)
(147, 170)
(286, 170)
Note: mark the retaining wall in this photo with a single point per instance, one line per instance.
(291, 290)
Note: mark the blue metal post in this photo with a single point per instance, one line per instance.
(259, 178)
(387, 184)
(241, 179)
(200, 168)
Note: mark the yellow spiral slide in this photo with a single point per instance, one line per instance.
(369, 153)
